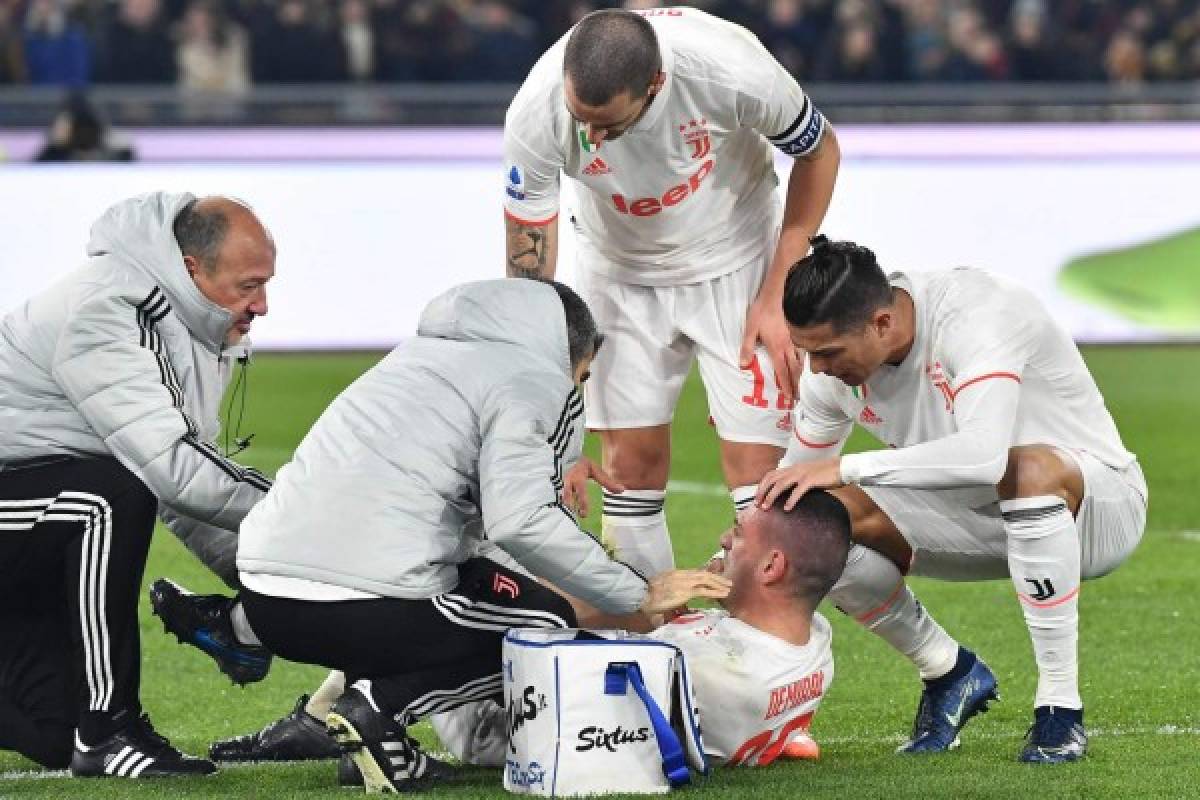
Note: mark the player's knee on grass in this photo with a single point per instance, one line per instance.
(49, 743)
(1038, 470)
(54, 747)
(871, 527)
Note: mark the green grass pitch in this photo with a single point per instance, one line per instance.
(1140, 637)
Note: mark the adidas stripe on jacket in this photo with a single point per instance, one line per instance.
(125, 357)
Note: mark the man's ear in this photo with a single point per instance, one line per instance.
(192, 265)
(882, 321)
(774, 568)
(656, 83)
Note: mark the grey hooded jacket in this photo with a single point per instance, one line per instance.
(125, 357)
(459, 433)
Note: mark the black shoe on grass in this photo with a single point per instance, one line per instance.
(135, 750)
(297, 737)
(203, 621)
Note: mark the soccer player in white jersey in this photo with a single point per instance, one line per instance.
(665, 119)
(760, 665)
(1001, 459)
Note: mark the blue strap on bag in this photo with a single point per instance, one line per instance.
(673, 761)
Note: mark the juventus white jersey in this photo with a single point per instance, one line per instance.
(754, 690)
(974, 332)
(684, 194)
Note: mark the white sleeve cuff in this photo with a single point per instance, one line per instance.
(851, 468)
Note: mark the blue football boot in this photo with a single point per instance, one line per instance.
(1056, 736)
(203, 621)
(947, 705)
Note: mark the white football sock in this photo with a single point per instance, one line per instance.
(326, 694)
(1043, 559)
(241, 626)
(635, 526)
(742, 497)
(873, 592)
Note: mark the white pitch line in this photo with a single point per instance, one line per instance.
(697, 487)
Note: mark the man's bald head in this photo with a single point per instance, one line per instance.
(202, 227)
(230, 256)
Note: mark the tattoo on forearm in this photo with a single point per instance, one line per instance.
(526, 252)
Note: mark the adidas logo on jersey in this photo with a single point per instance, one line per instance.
(869, 417)
(597, 167)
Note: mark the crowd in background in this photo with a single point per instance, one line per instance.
(228, 45)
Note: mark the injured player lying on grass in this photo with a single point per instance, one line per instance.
(760, 665)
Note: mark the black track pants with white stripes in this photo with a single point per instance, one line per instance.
(74, 535)
(422, 656)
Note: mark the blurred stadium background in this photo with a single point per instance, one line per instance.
(1055, 141)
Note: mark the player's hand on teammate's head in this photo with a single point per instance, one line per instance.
(670, 590)
(574, 492)
(796, 480)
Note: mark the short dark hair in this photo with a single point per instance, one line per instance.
(609, 52)
(839, 283)
(583, 340)
(200, 233)
(815, 538)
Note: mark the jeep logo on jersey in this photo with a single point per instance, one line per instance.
(696, 134)
(516, 183)
(649, 206)
(596, 738)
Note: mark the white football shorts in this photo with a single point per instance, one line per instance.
(652, 334)
(958, 534)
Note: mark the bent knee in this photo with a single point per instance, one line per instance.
(871, 527)
(1037, 470)
(637, 462)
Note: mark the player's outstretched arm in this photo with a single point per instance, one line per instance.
(531, 248)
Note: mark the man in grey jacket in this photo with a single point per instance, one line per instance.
(110, 383)
(364, 555)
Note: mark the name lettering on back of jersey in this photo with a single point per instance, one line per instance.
(696, 135)
(785, 698)
(649, 206)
